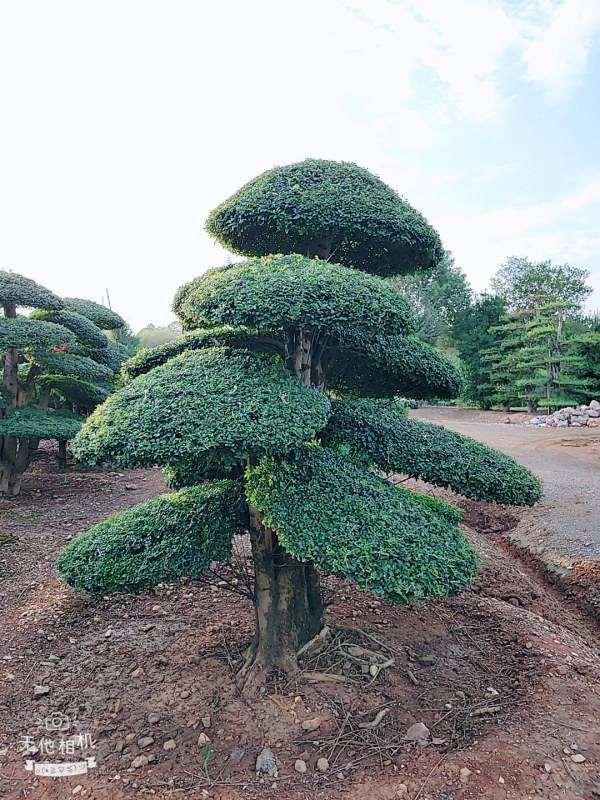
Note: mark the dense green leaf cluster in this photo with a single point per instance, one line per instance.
(21, 332)
(431, 453)
(223, 336)
(30, 422)
(382, 366)
(19, 291)
(86, 331)
(352, 524)
(451, 513)
(78, 366)
(163, 539)
(113, 355)
(105, 318)
(282, 292)
(75, 391)
(214, 406)
(360, 220)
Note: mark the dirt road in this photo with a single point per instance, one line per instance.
(565, 527)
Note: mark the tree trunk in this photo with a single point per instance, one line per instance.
(287, 603)
(15, 457)
(62, 453)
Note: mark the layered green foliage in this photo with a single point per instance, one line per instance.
(159, 540)
(103, 317)
(17, 290)
(74, 391)
(21, 332)
(31, 422)
(431, 453)
(220, 336)
(315, 204)
(65, 363)
(86, 331)
(281, 292)
(352, 524)
(383, 366)
(213, 406)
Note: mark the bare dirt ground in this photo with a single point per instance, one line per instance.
(506, 677)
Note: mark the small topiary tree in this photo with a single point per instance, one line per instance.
(57, 366)
(275, 414)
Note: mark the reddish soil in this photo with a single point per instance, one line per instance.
(506, 677)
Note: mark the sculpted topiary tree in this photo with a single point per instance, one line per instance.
(275, 414)
(57, 366)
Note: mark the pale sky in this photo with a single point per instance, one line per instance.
(123, 123)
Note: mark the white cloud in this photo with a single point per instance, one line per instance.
(563, 228)
(556, 53)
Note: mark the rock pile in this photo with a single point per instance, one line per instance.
(580, 417)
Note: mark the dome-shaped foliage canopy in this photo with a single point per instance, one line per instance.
(84, 329)
(103, 317)
(327, 207)
(221, 336)
(160, 540)
(17, 290)
(215, 404)
(383, 366)
(430, 453)
(350, 523)
(78, 366)
(22, 332)
(281, 292)
(32, 422)
(112, 355)
(73, 390)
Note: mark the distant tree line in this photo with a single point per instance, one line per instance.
(526, 343)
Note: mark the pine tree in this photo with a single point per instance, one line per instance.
(57, 366)
(275, 414)
(475, 332)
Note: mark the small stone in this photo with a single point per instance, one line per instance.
(373, 670)
(427, 661)
(236, 755)
(203, 739)
(492, 692)
(184, 695)
(464, 774)
(153, 718)
(300, 765)
(311, 724)
(206, 721)
(267, 762)
(547, 766)
(140, 761)
(145, 741)
(501, 780)
(170, 744)
(417, 732)
(322, 765)
(401, 791)
(577, 758)
(77, 789)
(40, 691)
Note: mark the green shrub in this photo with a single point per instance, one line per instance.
(345, 208)
(432, 453)
(282, 292)
(352, 524)
(156, 541)
(217, 407)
